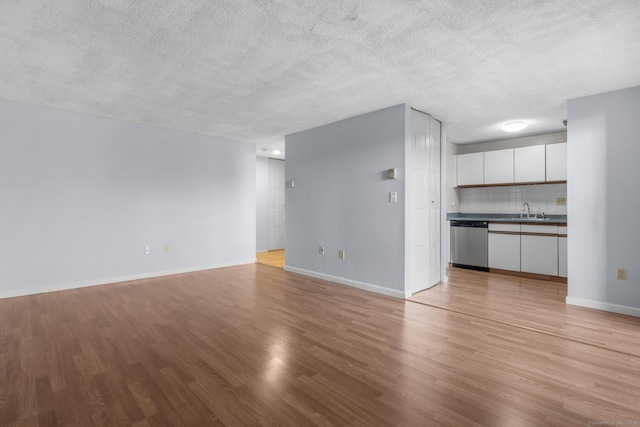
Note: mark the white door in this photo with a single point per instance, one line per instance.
(276, 204)
(424, 204)
(419, 228)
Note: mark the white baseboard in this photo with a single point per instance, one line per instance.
(604, 306)
(353, 283)
(106, 281)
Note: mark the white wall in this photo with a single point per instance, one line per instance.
(603, 176)
(452, 202)
(341, 200)
(262, 204)
(82, 196)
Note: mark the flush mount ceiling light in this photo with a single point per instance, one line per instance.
(276, 152)
(514, 126)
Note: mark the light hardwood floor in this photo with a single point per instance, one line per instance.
(533, 304)
(255, 345)
(272, 258)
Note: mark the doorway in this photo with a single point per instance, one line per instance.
(270, 227)
(272, 258)
(276, 205)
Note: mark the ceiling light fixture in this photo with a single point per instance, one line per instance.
(514, 126)
(276, 152)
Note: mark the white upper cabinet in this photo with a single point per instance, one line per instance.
(530, 164)
(470, 169)
(557, 162)
(498, 167)
(534, 164)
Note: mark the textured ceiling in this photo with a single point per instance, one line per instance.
(258, 70)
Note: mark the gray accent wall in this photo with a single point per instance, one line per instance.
(262, 204)
(604, 200)
(82, 196)
(340, 199)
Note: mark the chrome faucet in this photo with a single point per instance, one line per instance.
(528, 210)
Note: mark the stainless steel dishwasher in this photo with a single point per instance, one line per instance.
(470, 244)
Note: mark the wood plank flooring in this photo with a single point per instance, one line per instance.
(255, 345)
(534, 304)
(272, 258)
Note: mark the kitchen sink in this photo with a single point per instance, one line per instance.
(517, 218)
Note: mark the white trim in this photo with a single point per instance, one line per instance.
(605, 306)
(407, 202)
(106, 281)
(444, 224)
(353, 283)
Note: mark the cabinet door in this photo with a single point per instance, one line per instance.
(530, 164)
(498, 167)
(504, 251)
(557, 162)
(562, 256)
(470, 168)
(539, 254)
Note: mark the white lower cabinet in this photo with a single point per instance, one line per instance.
(539, 254)
(504, 246)
(562, 256)
(504, 251)
(528, 248)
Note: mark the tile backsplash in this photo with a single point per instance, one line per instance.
(509, 199)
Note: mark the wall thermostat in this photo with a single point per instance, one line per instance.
(392, 173)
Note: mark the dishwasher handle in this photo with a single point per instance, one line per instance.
(471, 224)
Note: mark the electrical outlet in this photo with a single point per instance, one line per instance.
(393, 197)
(561, 201)
(321, 250)
(341, 254)
(621, 274)
(147, 249)
(167, 248)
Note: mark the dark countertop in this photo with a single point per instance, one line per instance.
(515, 218)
